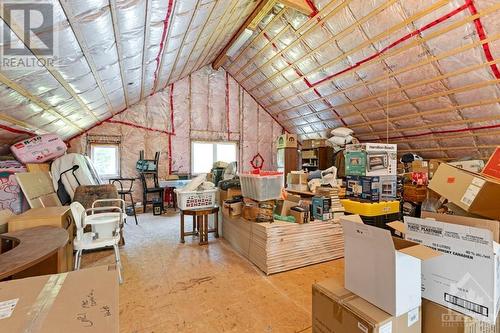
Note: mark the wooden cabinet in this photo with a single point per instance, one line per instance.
(53, 216)
(317, 158)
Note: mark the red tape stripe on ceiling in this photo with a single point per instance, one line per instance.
(170, 159)
(466, 129)
(306, 81)
(482, 36)
(313, 8)
(162, 41)
(15, 130)
(227, 108)
(397, 42)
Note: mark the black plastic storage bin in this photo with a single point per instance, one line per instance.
(381, 221)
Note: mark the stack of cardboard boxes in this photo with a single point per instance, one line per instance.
(371, 171)
(442, 278)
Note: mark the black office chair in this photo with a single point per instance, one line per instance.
(149, 179)
(123, 191)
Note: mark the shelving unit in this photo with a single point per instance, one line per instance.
(317, 158)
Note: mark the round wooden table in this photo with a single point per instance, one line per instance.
(36, 251)
(200, 223)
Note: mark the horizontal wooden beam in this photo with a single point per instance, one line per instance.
(222, 55)
(299, 5)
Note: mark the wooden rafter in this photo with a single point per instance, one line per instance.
(119, 49)
(303, 32)
(404, 88)
(409, 101)
(219, 60)
(255, 39)
(222, 41)
(81, 40)
(340, 35)
(383, 77)
(228, 12)
(299, 5)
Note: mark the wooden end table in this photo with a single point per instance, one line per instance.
(200, 223)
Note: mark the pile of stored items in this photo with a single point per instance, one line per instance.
(271, 227)
(439, 274)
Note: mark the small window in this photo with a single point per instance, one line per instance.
(106, 159)
(204, 154)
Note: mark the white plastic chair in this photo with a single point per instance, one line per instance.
(105, 229)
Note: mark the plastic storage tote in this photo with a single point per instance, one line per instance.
(369, 208)
(262, 186)
(196, 199)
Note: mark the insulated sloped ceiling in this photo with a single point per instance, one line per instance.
(110, 55)
(423, 74)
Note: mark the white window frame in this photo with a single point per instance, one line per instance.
(214, 151)
(118, 158)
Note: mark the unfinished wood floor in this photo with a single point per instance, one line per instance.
(173, 287)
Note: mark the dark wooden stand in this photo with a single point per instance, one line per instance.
(200, 223)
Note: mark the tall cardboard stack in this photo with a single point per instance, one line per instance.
(382, 284)
(371, 171)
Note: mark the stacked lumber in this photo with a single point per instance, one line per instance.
(281, 246)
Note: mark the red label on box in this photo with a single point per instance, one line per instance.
(451, 180)
(492, 168)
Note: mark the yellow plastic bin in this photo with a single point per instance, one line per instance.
(370, 208)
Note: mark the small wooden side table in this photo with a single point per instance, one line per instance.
(200, 223)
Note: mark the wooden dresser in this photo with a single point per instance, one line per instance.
(52, 216)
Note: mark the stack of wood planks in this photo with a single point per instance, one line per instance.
(281, 246)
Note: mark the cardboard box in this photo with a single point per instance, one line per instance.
(321, 208)
(384, 270)
(337, 310)
(470, 191)
(258, 211)
(492, 168)
(286, 141)
(439, 319)
(420, 166)
(379, 159)
(433, 166)
(297, 181)
(355, 163)
(466, 278)
(471, 165)
(314, 143)
(307, 154)
(378, 188)
(300, 216)
(67, 302)
(232, 208)
(491, 225)
(353, 187)
(229, 194)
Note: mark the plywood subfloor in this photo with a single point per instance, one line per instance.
(173, 287)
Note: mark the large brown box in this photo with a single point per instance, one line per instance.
(439, 319)
(314, 143)
(337, 310)
(84, 301)
(228, 194)
(53, 216)
(470, 191)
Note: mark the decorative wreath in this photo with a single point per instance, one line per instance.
(257, 161)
